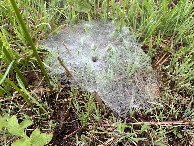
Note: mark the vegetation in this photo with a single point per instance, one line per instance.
(18, 129)
(164, 29)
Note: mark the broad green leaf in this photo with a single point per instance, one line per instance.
(21, 142)
(26, 123)
(14, 128)
(3, 122)
(39, 139)
(35, 133)
(49, 138)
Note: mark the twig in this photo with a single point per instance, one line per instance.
(164, 60)
(73, 133)
(171, 45)
(66, 46)
(183, 122)
(160, 59)
(67, 70)
(173, 4)
(98, 99)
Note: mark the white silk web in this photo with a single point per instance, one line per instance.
(107, 61)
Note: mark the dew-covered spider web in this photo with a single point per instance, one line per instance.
(106, 61)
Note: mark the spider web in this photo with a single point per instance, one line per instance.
(106, 61)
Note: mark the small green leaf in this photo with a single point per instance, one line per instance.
(179, 135)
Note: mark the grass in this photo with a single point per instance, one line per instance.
(29, 39)
(160, 26)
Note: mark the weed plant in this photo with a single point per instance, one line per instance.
(12, 127)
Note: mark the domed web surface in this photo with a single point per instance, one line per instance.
(106, 61)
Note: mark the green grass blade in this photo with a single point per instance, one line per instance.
(10, 59)
(122, 19)
(6, 33)
(39, 27)
(2, 91)
(27, 93)
(107, 9)
(16, 88)
(7, 71)
(14, 5)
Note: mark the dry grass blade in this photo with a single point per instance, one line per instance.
(66, 46)
(97, 98)
(160, 59)
(73, 132)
